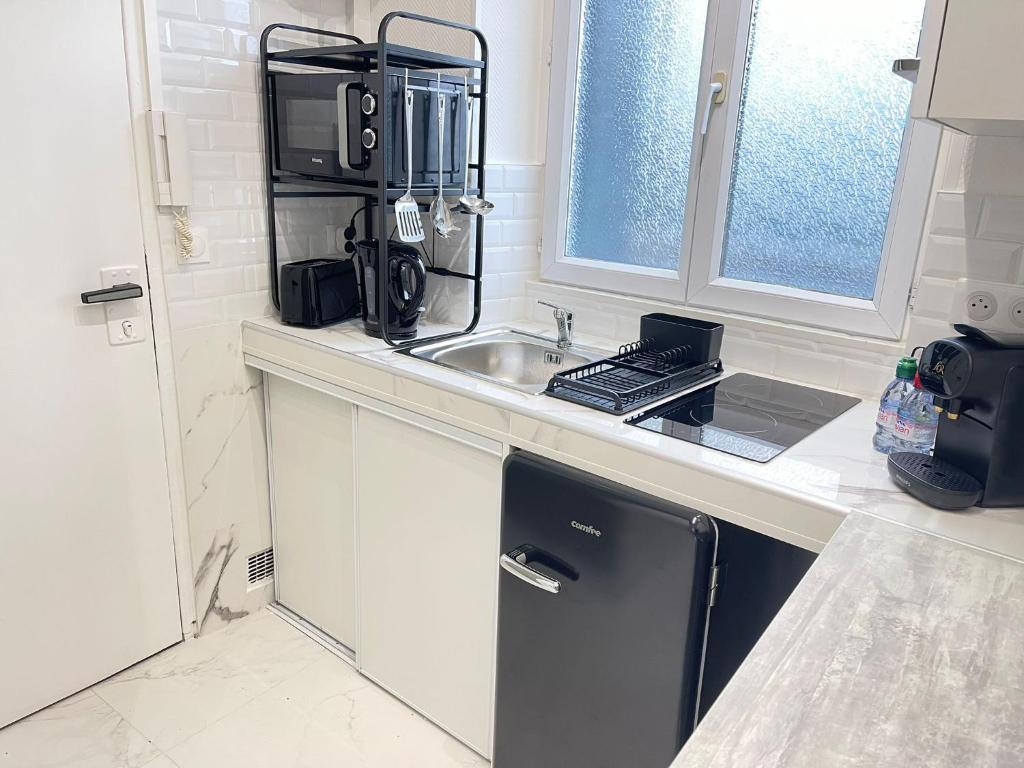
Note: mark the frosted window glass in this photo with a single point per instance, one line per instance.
(821, 123)
(636, 94)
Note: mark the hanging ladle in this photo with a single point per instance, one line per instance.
(467, 203)
(440, 211)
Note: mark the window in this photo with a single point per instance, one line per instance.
(750, 156)
(627, 120)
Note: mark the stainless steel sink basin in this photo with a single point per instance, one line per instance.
(514, 359)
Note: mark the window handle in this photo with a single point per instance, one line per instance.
(716, 95)
(907, 68)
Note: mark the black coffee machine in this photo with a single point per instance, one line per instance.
(406, 281)
(978, 384)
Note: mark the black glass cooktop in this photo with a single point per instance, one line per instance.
(745, 415)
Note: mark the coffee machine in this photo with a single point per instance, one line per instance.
(978, 385)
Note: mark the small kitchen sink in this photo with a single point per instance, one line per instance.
(514, 359)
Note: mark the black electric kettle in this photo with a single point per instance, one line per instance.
(406, 282)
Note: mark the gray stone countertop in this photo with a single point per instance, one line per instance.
(899, 648)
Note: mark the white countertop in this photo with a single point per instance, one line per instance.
(801, 496)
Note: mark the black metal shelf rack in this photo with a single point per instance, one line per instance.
(383, 57)
(364, 58)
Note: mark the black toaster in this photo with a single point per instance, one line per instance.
(319, 292)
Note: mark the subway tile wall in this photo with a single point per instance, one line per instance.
(977, 227)
(209, 69)
(228, 207)
(512, 238)
(208, 60)
(832, 360)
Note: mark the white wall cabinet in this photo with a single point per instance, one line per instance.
(429, 500)
(312, 459)
(971, 64)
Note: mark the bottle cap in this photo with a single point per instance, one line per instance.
(906, 368)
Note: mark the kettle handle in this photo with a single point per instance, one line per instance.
(397, 259)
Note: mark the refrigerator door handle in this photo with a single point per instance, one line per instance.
(515, 562)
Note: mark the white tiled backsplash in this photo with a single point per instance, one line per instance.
(512, 235)
(234, 285)
(977, 226)
(860, 366)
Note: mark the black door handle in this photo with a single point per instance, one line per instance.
(114, 293)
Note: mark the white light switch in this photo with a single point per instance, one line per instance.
(126, 322)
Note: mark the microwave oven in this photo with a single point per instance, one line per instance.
(327, 126)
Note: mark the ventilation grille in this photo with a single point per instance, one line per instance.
(261, 565)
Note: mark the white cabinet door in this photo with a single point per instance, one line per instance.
(312, 459)
(971, 60)
(428, 501)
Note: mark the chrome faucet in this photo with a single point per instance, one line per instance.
(563, 319)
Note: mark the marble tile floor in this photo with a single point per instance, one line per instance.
(258, 694)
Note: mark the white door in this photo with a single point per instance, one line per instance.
(87, 576)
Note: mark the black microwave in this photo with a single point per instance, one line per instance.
(327, 126)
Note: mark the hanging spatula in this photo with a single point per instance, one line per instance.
(407, 210)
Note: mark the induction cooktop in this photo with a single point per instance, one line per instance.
(745, 415)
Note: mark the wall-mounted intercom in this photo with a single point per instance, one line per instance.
(169, 147)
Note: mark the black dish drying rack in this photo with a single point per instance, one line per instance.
(646, 370)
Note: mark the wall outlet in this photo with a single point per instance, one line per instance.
(200, 247)
(981, 306)
(994, 307)
(1017, 314)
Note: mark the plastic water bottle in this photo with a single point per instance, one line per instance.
(917, 421)
(888, 407)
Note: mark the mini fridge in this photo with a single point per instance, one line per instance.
(604, 597)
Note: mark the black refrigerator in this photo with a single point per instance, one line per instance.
(604, 598)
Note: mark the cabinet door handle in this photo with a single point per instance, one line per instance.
(907, 68)
(515, 562)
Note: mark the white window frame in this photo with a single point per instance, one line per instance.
(697, 282)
